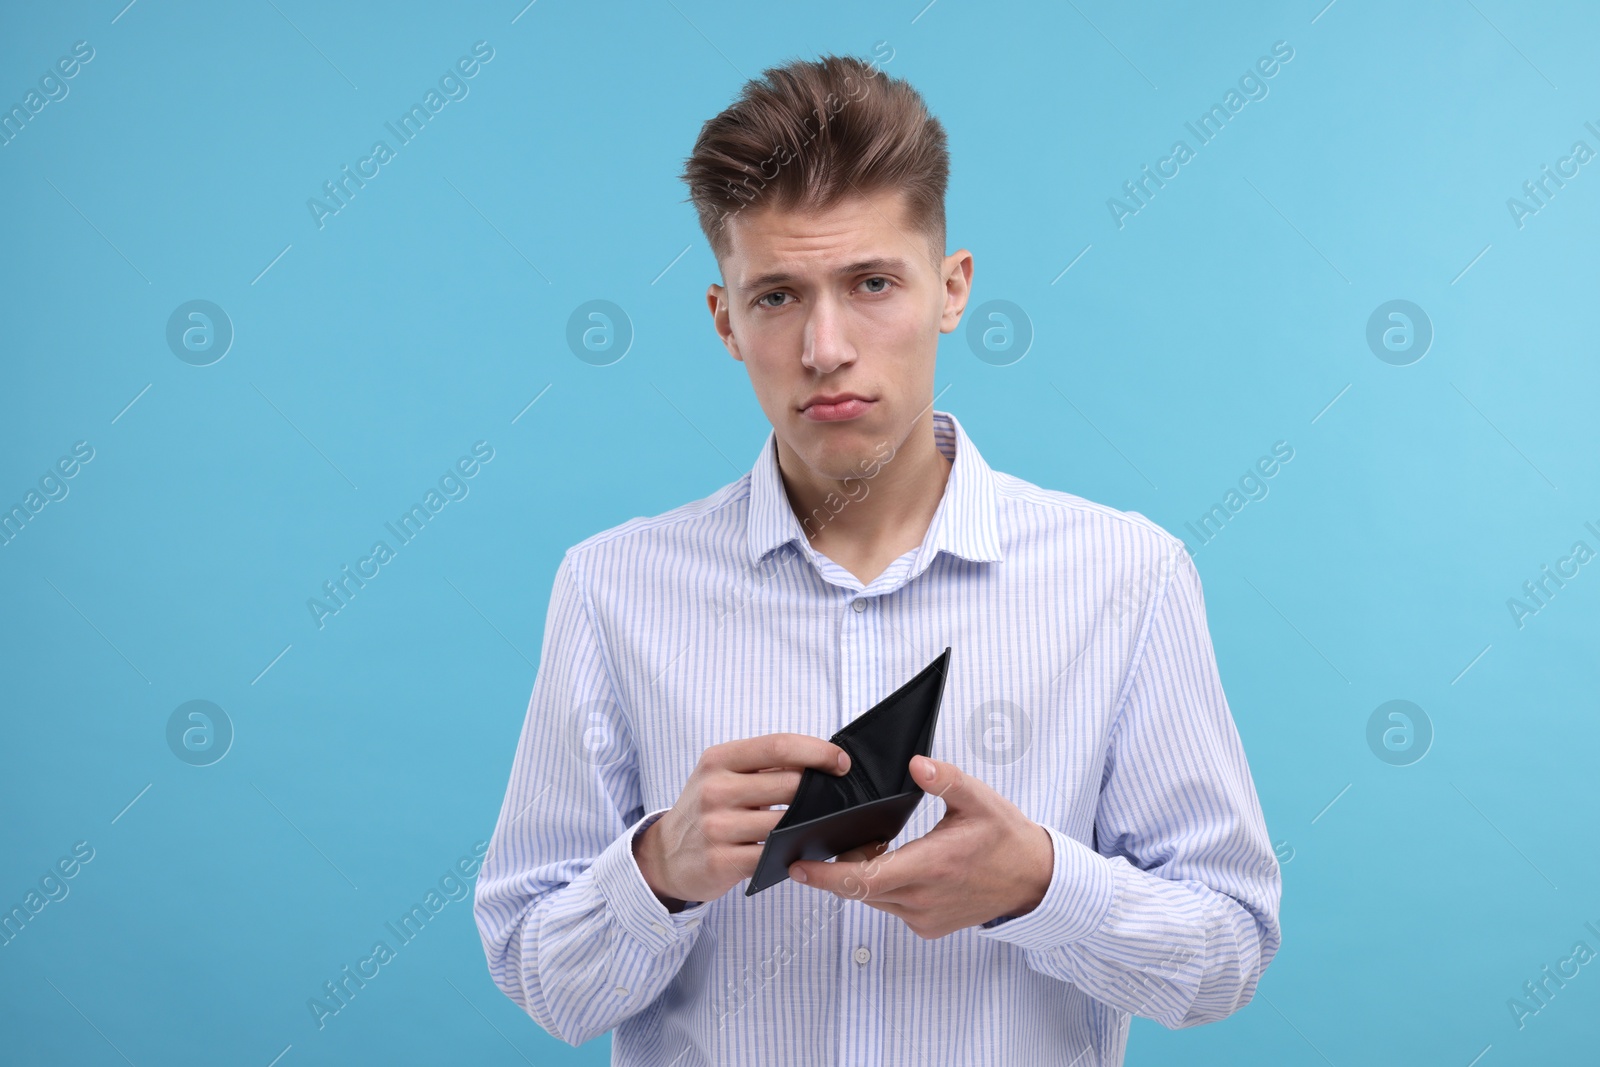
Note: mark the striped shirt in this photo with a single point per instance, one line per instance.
(1082, 686)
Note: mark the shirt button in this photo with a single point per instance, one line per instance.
(860, 604)
(659, 928)
(621, 991)
(863, 954)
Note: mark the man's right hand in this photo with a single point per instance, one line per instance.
(711, 838)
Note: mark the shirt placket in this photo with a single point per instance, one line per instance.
(861, 1007)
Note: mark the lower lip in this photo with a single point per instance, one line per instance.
(847, 409)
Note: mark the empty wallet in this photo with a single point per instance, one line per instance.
(874, 799)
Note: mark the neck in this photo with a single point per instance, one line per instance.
(876, 515)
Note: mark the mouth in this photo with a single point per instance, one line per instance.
(836, 408)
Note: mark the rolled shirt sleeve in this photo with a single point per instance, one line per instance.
(1175, 917)
(572, 932)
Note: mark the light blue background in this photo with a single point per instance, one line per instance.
(1223, 317)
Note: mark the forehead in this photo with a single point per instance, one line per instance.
(816, 242)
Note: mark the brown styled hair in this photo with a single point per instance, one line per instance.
(807, 135)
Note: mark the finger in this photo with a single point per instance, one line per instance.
(958, 789)
(862, 879)
(898, 908)
(739, 860)
(758, 790)
(778, 750)
(890, 905)
(865, 852)
(726, 856)
(739, 826)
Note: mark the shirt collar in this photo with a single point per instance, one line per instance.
(966, 523)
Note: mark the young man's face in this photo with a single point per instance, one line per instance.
(841, 301)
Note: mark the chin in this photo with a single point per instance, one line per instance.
(857, 454)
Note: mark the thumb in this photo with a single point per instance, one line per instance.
(946, 781)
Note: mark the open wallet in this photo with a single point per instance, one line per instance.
(874, 799)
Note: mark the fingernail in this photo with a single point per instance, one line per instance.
(797, 874)
(844, 761)
(928, 768)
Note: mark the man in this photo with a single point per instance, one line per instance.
(1091, 846)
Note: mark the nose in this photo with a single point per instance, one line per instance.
(827, 346)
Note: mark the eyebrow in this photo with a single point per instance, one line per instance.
(883, 265)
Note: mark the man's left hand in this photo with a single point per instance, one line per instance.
(984, 859)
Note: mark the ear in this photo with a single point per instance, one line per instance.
(717, 301)
(957, 288)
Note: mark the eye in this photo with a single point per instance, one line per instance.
(763, 300)
(882, 287)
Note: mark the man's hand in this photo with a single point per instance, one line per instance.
(711, 838)
(984, 859)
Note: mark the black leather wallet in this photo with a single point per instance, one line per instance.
(874, 799)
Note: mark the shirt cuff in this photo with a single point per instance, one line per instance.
(1075, 904)
(633, 903)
